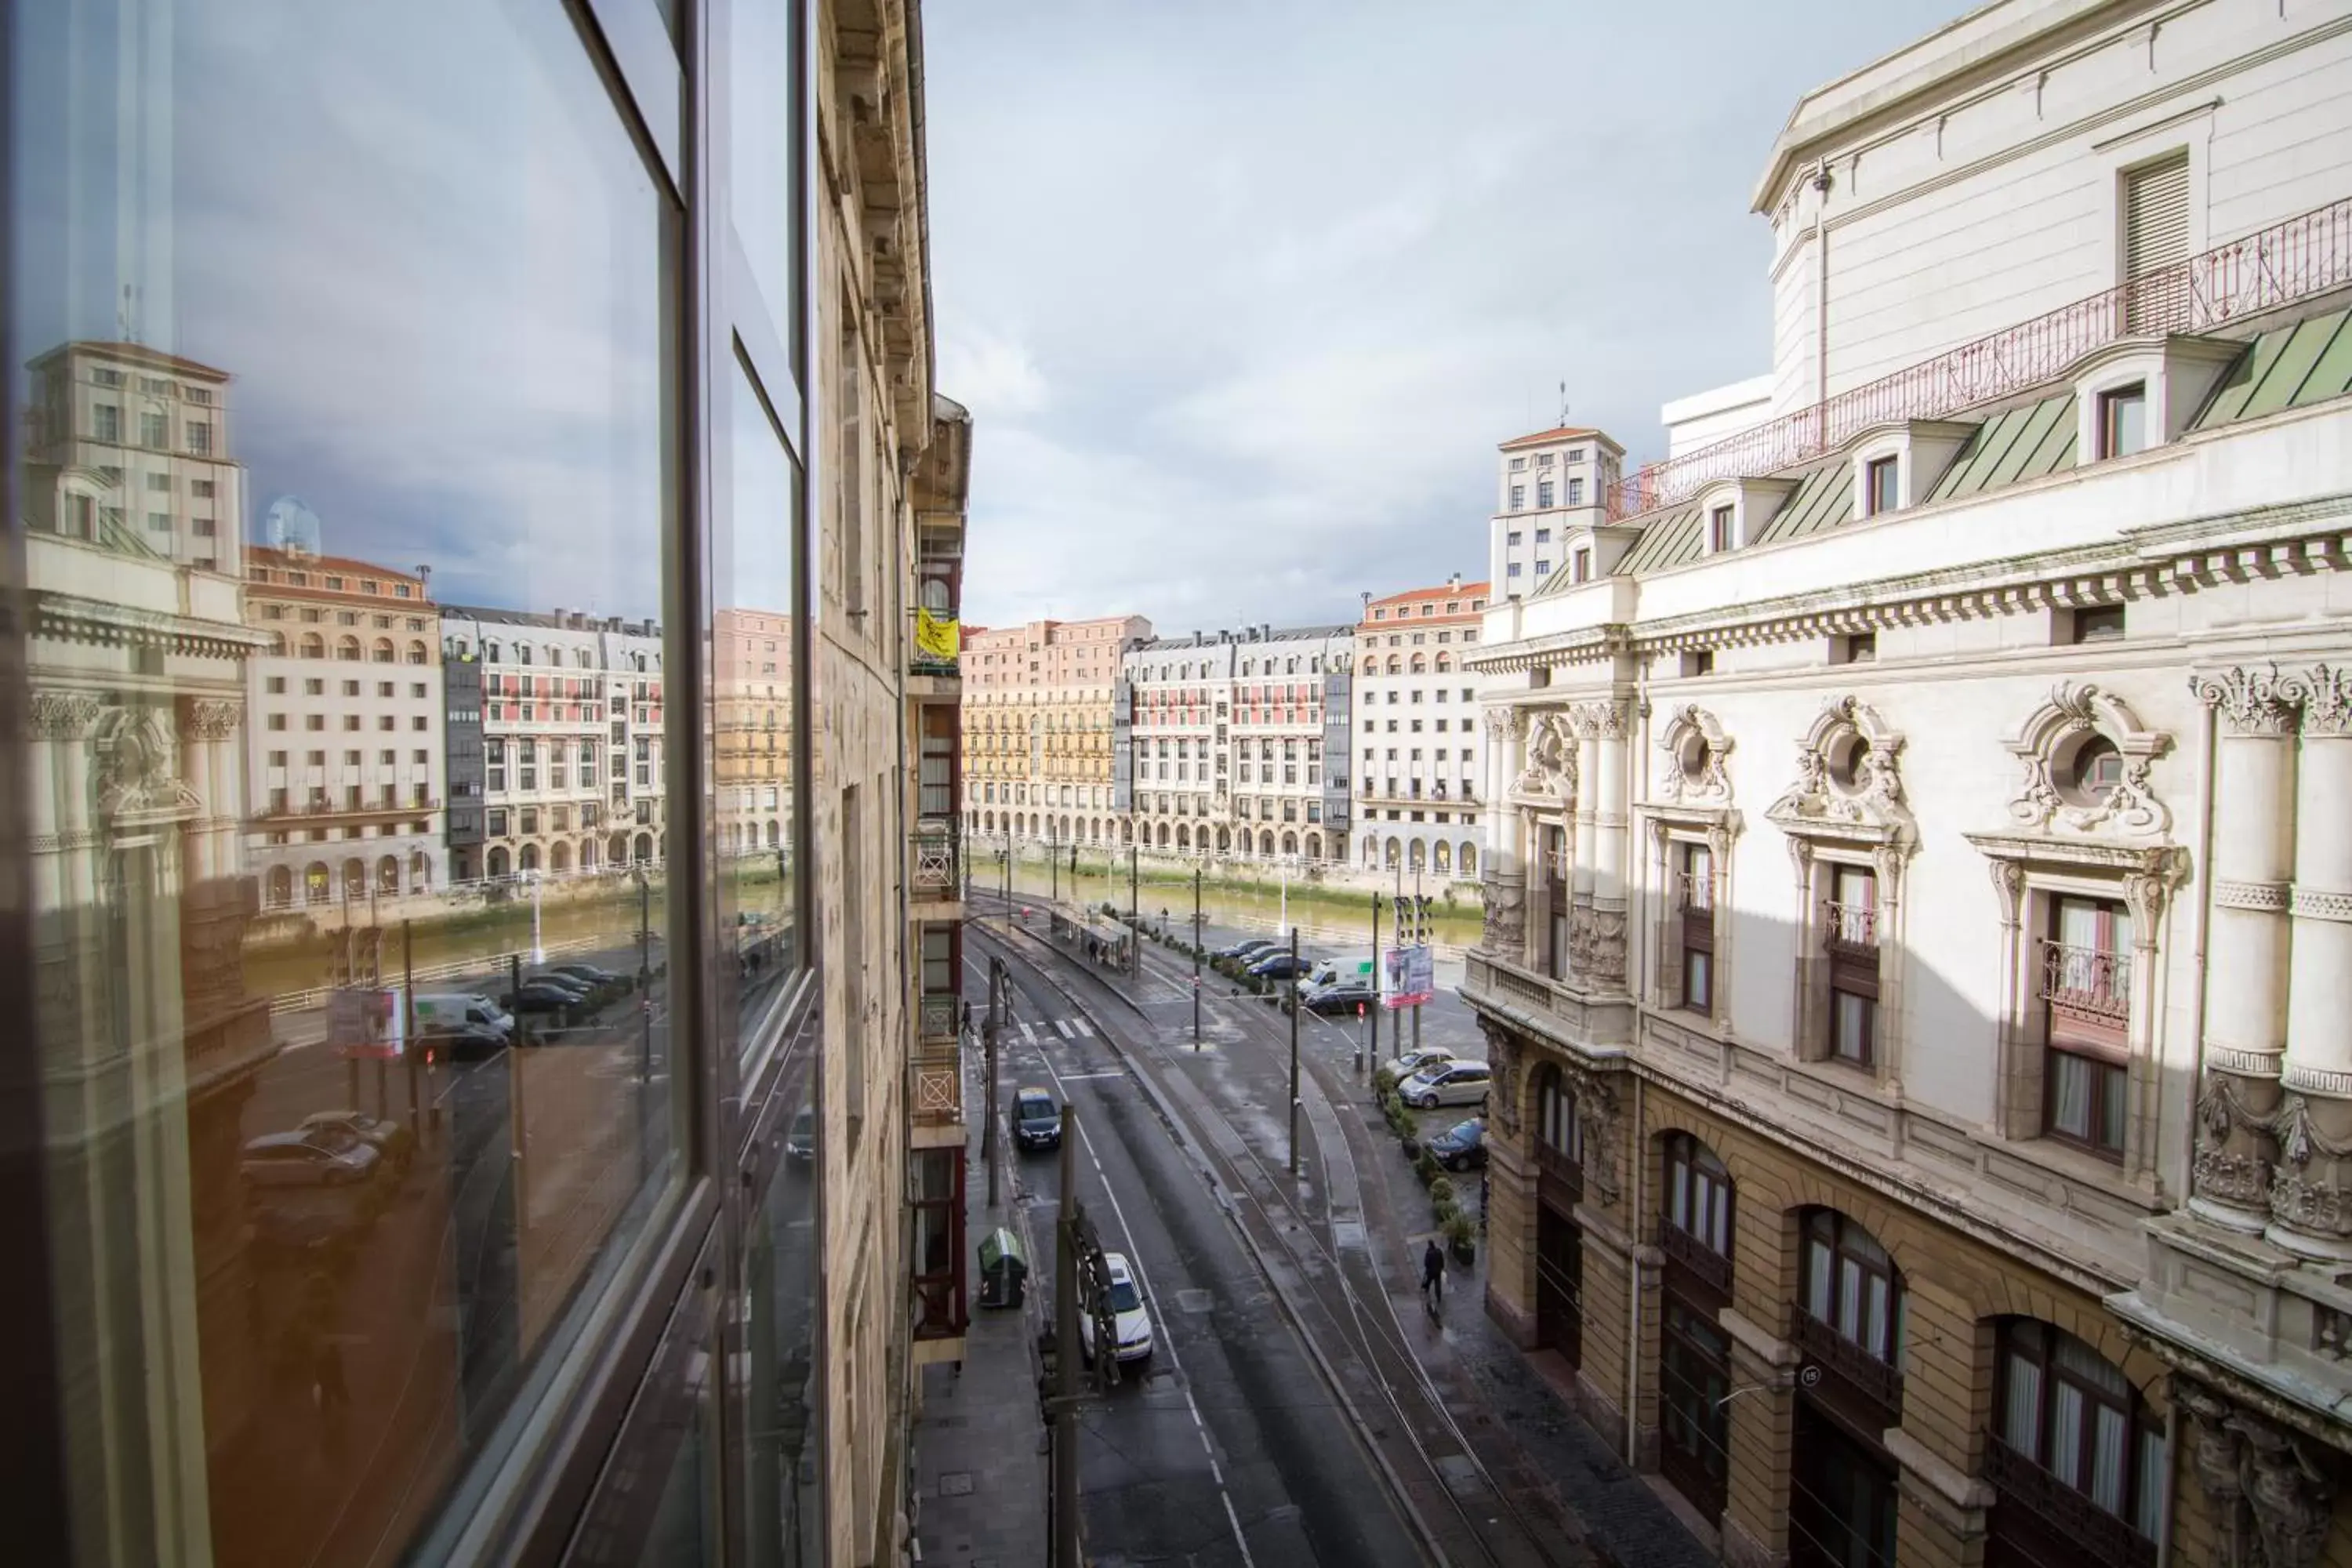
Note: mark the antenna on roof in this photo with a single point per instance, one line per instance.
(1563, 402)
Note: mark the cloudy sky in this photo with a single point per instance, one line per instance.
(1243, 294)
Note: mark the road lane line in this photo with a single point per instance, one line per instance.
(1064, 1025)
(1028, 1033)
(1160, 1321)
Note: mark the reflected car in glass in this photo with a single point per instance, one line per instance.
(320, 1157)
(394, 1145)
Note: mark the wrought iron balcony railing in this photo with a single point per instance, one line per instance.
(2303, 257)
(1850, 930)
(935, 855)
(1694, 893)
(2091, 982)
(1879, 1381)
(1712, 1268)
(2108, 1541)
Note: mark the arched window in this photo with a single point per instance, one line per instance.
(416, 653)
(281, 887)
(498, 862)
(1849, 1284)
(387, 875)
(1395, 856)
(1420, 664)
(1552, 1108)
(560, 857)
(2063, 1411)
(1445, 662)
(420, 872)
(313, 646)
(1468, 858)
(1698, 1196)
(530, 856)
(317, 888)
(381, 653)
(523, 653)
(1440, 859)
(347, 648)
(1396, 664)
(355, 878)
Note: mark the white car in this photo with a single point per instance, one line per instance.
(1133, 1322)
(1417, 1061)
(1446, 1083)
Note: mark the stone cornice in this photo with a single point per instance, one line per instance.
(2291, 540)
(68, 617)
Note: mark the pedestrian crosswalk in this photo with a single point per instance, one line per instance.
(1067, 1028)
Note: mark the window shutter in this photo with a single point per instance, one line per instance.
(2156, 216)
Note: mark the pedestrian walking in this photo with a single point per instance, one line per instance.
(1433, 1274)
(965, 1022)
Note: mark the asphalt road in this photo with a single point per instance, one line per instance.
(1229, 1448)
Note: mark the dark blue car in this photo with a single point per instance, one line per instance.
(1282, 966)
(1460, 1147)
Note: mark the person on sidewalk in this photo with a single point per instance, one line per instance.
(1433, 1274)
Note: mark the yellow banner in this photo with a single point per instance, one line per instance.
(937, 637)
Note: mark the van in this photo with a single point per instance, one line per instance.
(1357, 966)
(451, 1010)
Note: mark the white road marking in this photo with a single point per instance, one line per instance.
(1028, 1033)
(1082, 1077)
(1063, 1025)
(1151, 1308)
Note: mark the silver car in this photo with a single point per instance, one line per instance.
(1447, 1083)
(319, 1156)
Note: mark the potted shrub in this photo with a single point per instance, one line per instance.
(1462, 1236)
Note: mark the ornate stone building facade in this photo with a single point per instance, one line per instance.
(1916, 943)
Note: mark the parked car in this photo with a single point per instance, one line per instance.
(452, 1010)
(800, 1143)
(313, 1157)
(1280, 965)
(394, 1145)
(1446, 1083)
(544, 995)
(1037, 1120)
(1411, 1062)
(1253, 950)
(1132, 1322)
(1461, 1147)
(463, 1042)
(1340, 998)
(602, 981)
(585, 990)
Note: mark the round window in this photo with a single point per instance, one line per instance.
(2093, 771)
(1694, 756)
(1849, 763)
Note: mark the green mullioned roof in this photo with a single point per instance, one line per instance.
(2014, 445)
(1823, 500)
(2287, 367)
(1674, 539)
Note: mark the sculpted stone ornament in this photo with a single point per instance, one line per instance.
(1505, 912)
(2050, 743)
(1848, 774)
(2258, 701)
(1696, 749)
(1605, 948)
(1502, 1053)
(63, 715)
(2327, 700)
(136, 782)
(2272, 1500)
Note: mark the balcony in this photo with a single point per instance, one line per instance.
(1694, 893)
(1861, 1372)
(2090, 985)
(2296, 259)
(320, 811)
(935, 861)
(935, 1086)
(1850, 930)
(1707, 1266)
(1559, 1176)
(2065, 1513)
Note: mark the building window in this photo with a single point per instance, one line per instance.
(2085, 992)
(1850, 932)
(1857, 648)
(1543, 494)
(1576, 492)
(1882, 486)
(1699, 1194)
(1582, 563)
(2123, 420)
(2067, 1413)
(1697, 661)
(2097, 622)
(1850, 1285)
(1695, 926)
(1518, 497)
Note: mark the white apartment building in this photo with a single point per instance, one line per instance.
(345, 736)
(571, 749)
(1039, 727)
(1228, 738)
(1920, 916)
(1545, 483)
(1421, 777)
(146, 436)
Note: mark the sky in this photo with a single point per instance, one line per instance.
(1244, 293)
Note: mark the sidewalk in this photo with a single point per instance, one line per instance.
(980, 1442)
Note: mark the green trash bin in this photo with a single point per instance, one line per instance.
(1003, 1268)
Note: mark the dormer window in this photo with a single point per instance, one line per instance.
(2123, 420)
(1718, 530)
(1882, 486)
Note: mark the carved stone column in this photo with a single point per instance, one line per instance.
(1612, 724)
(1585, 724)
(2311, 1190)
(2245, 1018)
(1504, 882)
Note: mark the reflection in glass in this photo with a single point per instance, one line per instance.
(755, 591)
(781, 1389)
(350, 457)
(763, 105)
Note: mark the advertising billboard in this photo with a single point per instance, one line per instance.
(1409, 976)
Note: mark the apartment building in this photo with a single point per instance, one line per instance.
(144, 438)
(1421, 783)
(751, 672)
(1548, 482)
(1040, 732)
(571, 739)
(1916, 926)
(241, 1331)
(1237, 743)
(345, 752)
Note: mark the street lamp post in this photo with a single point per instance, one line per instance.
(538, 947)
(645, 974)
(1196, 957)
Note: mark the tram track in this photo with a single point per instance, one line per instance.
(1462, 1511)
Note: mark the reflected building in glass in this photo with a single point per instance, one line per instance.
(487, 920)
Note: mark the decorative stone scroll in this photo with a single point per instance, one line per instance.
(1505, 911)
(1696, 749)
(2053, 738)
(2257, 702)
(2273, 1493)
(1848, 776)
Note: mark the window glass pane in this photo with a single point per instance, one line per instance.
(754, 714)
(2109, 1450)
(781, 1419)
(424, 281)
(2148, 1492)
(2066, 1433)
(764, 105)
(1817, 1281)
(2021, 1414)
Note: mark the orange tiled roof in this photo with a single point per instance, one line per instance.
(281, 560)
(1564, 433)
